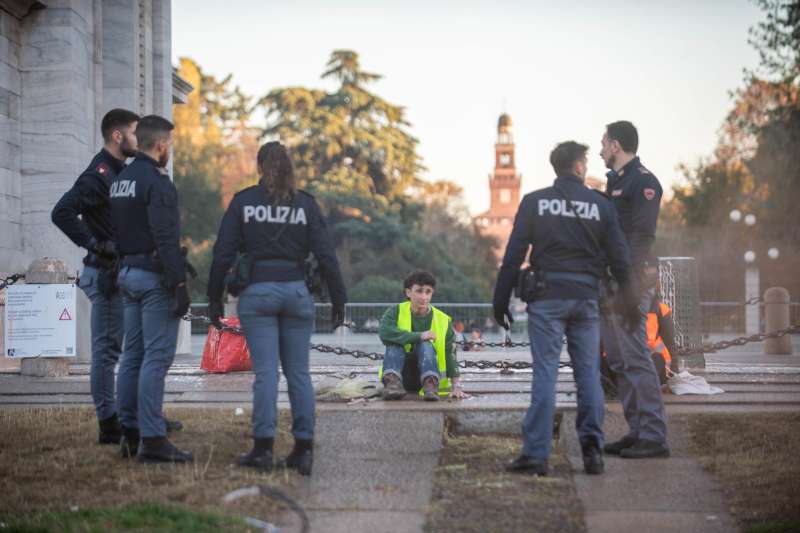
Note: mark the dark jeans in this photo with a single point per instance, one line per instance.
(106, 324)
(638, 387)
(278, 318)
(548, 322)
(151, 334)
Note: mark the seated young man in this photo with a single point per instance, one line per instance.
(419, 345)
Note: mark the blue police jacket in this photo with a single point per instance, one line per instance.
(144, 209)
(561, 244)
(636, 194)
(278, 238)
(84, 213)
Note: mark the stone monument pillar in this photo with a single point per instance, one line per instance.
(41, 272)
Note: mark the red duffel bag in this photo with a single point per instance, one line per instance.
(225, 351)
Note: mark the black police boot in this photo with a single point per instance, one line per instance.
(301, 458)
(161, 450)
(645, 449)
(613, 448)
(173, 425)
(110, 430)
(260, 456)
(129, 443)
(592, 457)
(525, 464)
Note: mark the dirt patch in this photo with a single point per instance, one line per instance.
(753, 457)
(473, 492)
(50, 462)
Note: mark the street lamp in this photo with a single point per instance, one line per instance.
(752, 281)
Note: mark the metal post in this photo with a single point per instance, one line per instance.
(752, 290)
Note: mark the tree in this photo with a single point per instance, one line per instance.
(211, 136)
(353, 150)
(755, 168)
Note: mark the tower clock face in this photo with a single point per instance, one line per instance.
(505, 160)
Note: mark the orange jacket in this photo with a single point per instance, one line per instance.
(656, 343)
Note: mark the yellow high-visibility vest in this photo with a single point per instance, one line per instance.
(439, 325)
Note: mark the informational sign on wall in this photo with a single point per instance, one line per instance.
(40, 321)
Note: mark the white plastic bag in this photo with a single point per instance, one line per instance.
(686, 383)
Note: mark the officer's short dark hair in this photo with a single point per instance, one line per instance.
(564, 156)
(152, 129)
(419, 277)
(625, 134)
(275, 166)
(116, 119)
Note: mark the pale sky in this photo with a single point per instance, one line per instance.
(561, 71)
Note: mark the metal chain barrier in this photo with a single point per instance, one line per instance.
(739, 341)
(507, 366)
(503, 366)
(10, 280)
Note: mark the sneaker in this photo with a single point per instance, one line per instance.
(161, 450)
(613, 448)
(393, 387)
(645, 449)
(592, 458)
(430, 389)
(525, 464)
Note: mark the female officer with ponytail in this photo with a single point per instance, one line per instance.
(276, 226)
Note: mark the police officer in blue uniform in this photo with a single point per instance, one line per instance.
(275, 226)
(152, 279)
(84, 215)
(636, 194)
(574, 231)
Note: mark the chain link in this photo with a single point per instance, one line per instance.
(505, 366)
(739, 341)
(10, 280)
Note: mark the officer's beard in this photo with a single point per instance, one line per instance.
(126, 149)
(611, 162)
(163, 158)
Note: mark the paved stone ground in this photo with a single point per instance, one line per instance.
(668, 495)
(370, 475)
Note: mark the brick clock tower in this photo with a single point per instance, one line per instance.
(504, 184)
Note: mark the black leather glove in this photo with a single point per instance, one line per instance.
(503, 316)
(215, 313)
(628, 308)
(105, 252)
(187, 266)
(337, 315)
(182, 300)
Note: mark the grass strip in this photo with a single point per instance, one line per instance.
(473, 493)
(753, 457)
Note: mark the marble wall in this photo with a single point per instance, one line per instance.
(63, 65)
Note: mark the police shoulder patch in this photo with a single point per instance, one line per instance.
(103, 169)
(616, 192)
(649, 193)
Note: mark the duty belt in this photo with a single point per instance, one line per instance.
(145, 261)
(276, 270)
(580, 277)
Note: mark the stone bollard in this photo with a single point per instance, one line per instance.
(776, 316)
(44, 271)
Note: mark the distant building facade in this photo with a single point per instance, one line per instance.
(504, 189)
